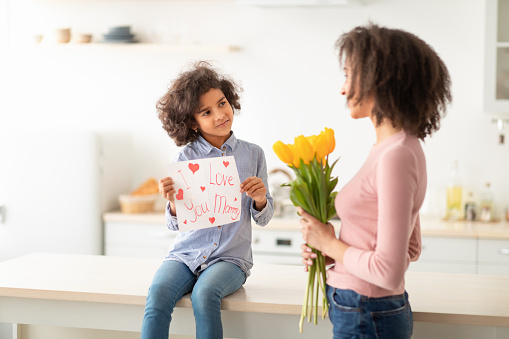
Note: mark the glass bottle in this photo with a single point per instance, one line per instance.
(454, 194)
(470, 207)
(486, 204)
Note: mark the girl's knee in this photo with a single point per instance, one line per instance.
(160, 296)
(205, 298)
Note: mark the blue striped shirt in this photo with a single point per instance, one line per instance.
(231, 242)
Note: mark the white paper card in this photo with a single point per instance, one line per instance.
(208, 192)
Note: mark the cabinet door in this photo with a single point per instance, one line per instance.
(494, 257)
(496, 86)
(452, 255)
(137, 240)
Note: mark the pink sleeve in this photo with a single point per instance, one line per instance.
(396, 184)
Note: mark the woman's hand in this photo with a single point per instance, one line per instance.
(308, 255)
(321, 237)
(315, 233)
(254, 188)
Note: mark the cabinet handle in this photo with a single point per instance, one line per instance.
(504, 251)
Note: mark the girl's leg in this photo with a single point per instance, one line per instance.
(171, 281)
(215, 283)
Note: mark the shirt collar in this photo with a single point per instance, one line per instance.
(205, 147)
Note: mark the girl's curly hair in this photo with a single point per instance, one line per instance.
(408, 80)
(176, 109)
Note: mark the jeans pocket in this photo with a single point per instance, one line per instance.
(393, 323)
(344, 315)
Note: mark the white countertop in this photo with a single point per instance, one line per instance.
(429, 226)
(274, 289)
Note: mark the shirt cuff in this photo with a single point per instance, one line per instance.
(171, 220)
(262, 217)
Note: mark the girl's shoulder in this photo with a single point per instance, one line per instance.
(249, 146)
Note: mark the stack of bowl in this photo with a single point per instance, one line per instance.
(119, 34)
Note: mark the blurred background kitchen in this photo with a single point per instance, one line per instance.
(78, 124)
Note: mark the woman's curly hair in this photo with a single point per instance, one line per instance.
(176, 109)
(409, 82)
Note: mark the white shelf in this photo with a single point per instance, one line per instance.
(148, 47)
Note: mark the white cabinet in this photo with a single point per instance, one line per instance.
(496, 87)
(443, 254)
(494, 257)
(137, 239)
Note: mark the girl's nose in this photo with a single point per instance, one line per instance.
(218, 115)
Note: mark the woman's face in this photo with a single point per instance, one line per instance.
(359, 110)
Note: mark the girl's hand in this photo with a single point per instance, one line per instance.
(166, 189)
(315, 233)
(254, 188)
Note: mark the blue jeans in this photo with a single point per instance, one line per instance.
(173, 280)
(355, 316)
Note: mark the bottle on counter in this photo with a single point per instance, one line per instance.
(454, 194)
(470, 207)
(486, 204)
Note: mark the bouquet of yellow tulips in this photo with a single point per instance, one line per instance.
(313, 191)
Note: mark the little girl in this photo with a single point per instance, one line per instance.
(212, 263)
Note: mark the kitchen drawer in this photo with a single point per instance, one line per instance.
(138, 234)
(443, 267)
(449, 249)
(494, 251)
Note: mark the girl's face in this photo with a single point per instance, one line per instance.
(357, 110)
(215, 117)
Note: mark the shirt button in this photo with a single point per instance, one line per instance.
(215, 244)
(219, 227)
(222, 154)
(204, 257)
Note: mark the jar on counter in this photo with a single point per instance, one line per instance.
(486, 205)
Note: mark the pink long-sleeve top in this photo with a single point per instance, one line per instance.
(379, 211)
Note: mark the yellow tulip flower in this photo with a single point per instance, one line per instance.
(284, 152)
(304, 149)
(331, 141)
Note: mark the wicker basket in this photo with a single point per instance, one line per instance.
(137, 203)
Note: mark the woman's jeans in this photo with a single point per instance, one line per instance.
(173, 280)
(355, 316)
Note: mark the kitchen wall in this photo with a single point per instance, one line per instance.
(287, 66)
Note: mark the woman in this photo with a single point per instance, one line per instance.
(399, 82)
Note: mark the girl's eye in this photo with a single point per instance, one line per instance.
(222, 103)
(206, 113)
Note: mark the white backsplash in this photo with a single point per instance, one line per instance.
(287, 66)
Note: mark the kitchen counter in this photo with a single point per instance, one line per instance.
(109, 293)
(429, 226)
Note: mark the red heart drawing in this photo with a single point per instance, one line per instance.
(226, 163)
(180, 194)
(202, 188)
(194, 167)
(212, 220)
(235, 199)
(185, 222)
